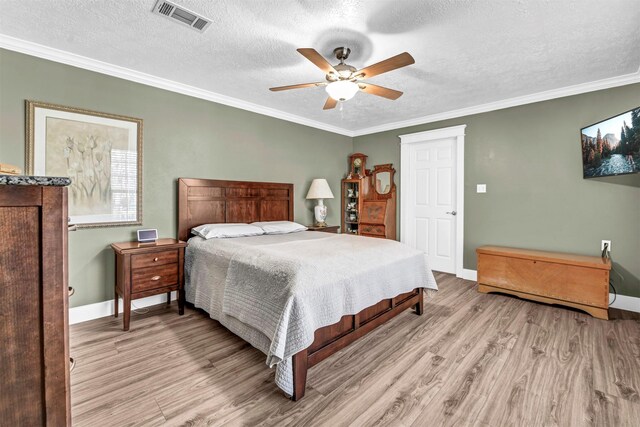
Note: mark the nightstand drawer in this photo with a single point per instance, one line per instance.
(143, 279)
(154, 258)
(377, 230)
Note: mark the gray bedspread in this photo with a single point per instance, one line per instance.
(275, 291)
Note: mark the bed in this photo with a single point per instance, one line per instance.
(291, 296)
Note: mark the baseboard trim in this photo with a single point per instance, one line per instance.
(625, 302)
(88, 312)
(470, 274)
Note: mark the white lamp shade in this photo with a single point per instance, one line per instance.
(319, 189)
(342, 90)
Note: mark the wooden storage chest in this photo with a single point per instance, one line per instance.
(577, 281)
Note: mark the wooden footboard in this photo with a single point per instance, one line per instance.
(333, 338)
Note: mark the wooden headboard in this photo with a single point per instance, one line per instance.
(207, 201)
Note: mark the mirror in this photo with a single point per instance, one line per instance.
(382, 179)
(383, 182)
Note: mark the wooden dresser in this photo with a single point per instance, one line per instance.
(577, 281)
(34, 352)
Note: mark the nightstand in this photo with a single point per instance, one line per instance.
(146, 269)
(327, 229)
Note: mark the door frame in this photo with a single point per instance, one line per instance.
(457, 132)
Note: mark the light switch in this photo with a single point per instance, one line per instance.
(481, 188)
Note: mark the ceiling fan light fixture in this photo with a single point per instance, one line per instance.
(342, 90)
(343, 81)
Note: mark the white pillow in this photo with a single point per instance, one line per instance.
(279, 227)
(211, 231)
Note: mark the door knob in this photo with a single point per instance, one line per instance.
(454, 213)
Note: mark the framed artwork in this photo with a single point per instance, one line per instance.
(612, 146)
(101, 153)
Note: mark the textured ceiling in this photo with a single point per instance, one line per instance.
(467, 52)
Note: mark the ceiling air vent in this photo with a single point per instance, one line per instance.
(181, 15)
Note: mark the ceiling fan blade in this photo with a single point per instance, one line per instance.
(331, 103)
(319, 61)
(300, 86)
(393, 63)
(380, 91)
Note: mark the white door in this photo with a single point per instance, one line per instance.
(429, 222)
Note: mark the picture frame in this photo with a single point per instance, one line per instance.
(100, 152)
(611, 146)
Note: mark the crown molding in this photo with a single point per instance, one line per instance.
(68, 58)
(623, 80)
(79, 61)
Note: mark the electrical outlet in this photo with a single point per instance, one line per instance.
(608, 242)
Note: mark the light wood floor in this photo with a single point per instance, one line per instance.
(476, 359)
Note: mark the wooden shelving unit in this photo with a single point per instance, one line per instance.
(352, 192)
(369, 199)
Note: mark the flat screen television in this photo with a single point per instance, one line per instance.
(612, 146)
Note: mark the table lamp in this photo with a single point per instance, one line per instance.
(320, 190)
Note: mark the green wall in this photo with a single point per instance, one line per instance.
(183, 137)
(530, 158)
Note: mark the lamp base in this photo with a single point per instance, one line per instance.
(319, 224)
(320, 213)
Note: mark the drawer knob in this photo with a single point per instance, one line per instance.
(155, 259)
(155, 278)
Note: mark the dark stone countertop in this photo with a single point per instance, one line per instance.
(55, 181)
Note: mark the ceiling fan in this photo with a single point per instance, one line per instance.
(344, 81)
